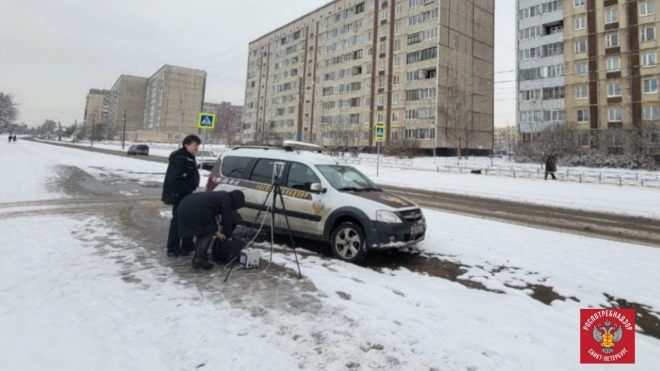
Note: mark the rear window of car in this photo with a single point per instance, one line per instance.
(235, 167)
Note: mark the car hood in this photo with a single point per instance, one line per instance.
(385, 198)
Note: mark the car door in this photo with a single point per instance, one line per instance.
(305, 209)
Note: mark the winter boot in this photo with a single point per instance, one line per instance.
(178, 251)
(200, 260)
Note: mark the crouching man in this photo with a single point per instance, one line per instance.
(197, 218)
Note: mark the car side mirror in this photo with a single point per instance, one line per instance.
(317, 188)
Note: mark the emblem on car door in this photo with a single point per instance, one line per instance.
(318, 207)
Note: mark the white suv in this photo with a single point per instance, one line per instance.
(323, 200)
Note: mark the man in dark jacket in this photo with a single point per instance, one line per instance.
(197, 218)
(181, 180)
(551, 166)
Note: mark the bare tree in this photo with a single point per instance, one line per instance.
(457, 113)
(8, 109)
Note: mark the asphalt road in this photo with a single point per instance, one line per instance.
(585, 223)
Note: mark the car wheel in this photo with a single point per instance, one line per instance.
(348, 242)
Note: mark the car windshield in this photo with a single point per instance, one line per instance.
(205, 154)
(346, 178)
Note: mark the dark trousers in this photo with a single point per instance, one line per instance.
(173, 241)
(203, 243)
(553, 176)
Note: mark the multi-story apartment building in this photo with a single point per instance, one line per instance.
(229, 121)
(609, 68)
(97, 109)
(174, 99)
(413, 65)
(126, 96)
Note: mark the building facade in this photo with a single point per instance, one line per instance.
(229, 121)
(414, 66)
(97, 109)
(608, 87)
(127, 96)
(174, 99)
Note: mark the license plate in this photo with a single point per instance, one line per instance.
(417, 229)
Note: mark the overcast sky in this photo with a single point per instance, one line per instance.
(53, 51)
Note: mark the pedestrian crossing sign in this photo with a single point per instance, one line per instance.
(379, 132)
(206, 120)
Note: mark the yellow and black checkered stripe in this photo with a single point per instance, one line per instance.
(285, 191)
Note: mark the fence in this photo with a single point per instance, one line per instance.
(520, 171)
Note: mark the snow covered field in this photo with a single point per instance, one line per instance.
(80, 295)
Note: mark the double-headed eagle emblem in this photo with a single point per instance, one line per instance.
(606, 338)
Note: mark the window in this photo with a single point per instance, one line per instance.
(614, 114)
(648, 34)
(580, 23)
(395, 98)
(614, 90)
(581, 68)
(583, 115)
(582, 92)
(579, 3)
(301, 177)
(649, 59)
(650, 86)
(395, 80)
(397, 61)
(613, 64)
(397, 26)
(370, 51)
(380, 118)
(397, 44)
(646, 8)
(395, 116)
(580, 46)
(235, 167)
(398, 10)
(612, 15)
(383, 31)
(381, 81)
(383, 15)
(381, 100)
(612, 40)
(383, 48)
(381, 65)
(652, 113)
(263, 171)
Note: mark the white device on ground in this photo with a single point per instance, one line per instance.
(250, 258)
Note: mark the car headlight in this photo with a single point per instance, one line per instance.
(387, 217)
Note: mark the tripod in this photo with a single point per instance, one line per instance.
(274, 191)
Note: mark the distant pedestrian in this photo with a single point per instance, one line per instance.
(10, 139)
(551, 166)
(14, 138)
(197, 218)
(181, 180)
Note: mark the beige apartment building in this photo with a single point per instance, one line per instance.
(612, 59)
(127, 97)
(174, 99)
(229, 121)
(413, 65)
(605, 76)
(97, 108)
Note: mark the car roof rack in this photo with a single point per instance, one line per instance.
(291, 145)
(254, 147)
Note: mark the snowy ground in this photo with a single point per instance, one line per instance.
(81, 295)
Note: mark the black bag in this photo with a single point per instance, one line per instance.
(226, 251)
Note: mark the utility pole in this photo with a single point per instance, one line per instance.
(123, 132)
(59, 132)
(437, 87)
(93, 122)
(181, 122)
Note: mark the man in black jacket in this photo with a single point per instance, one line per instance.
(181, 180)
(197, 218)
